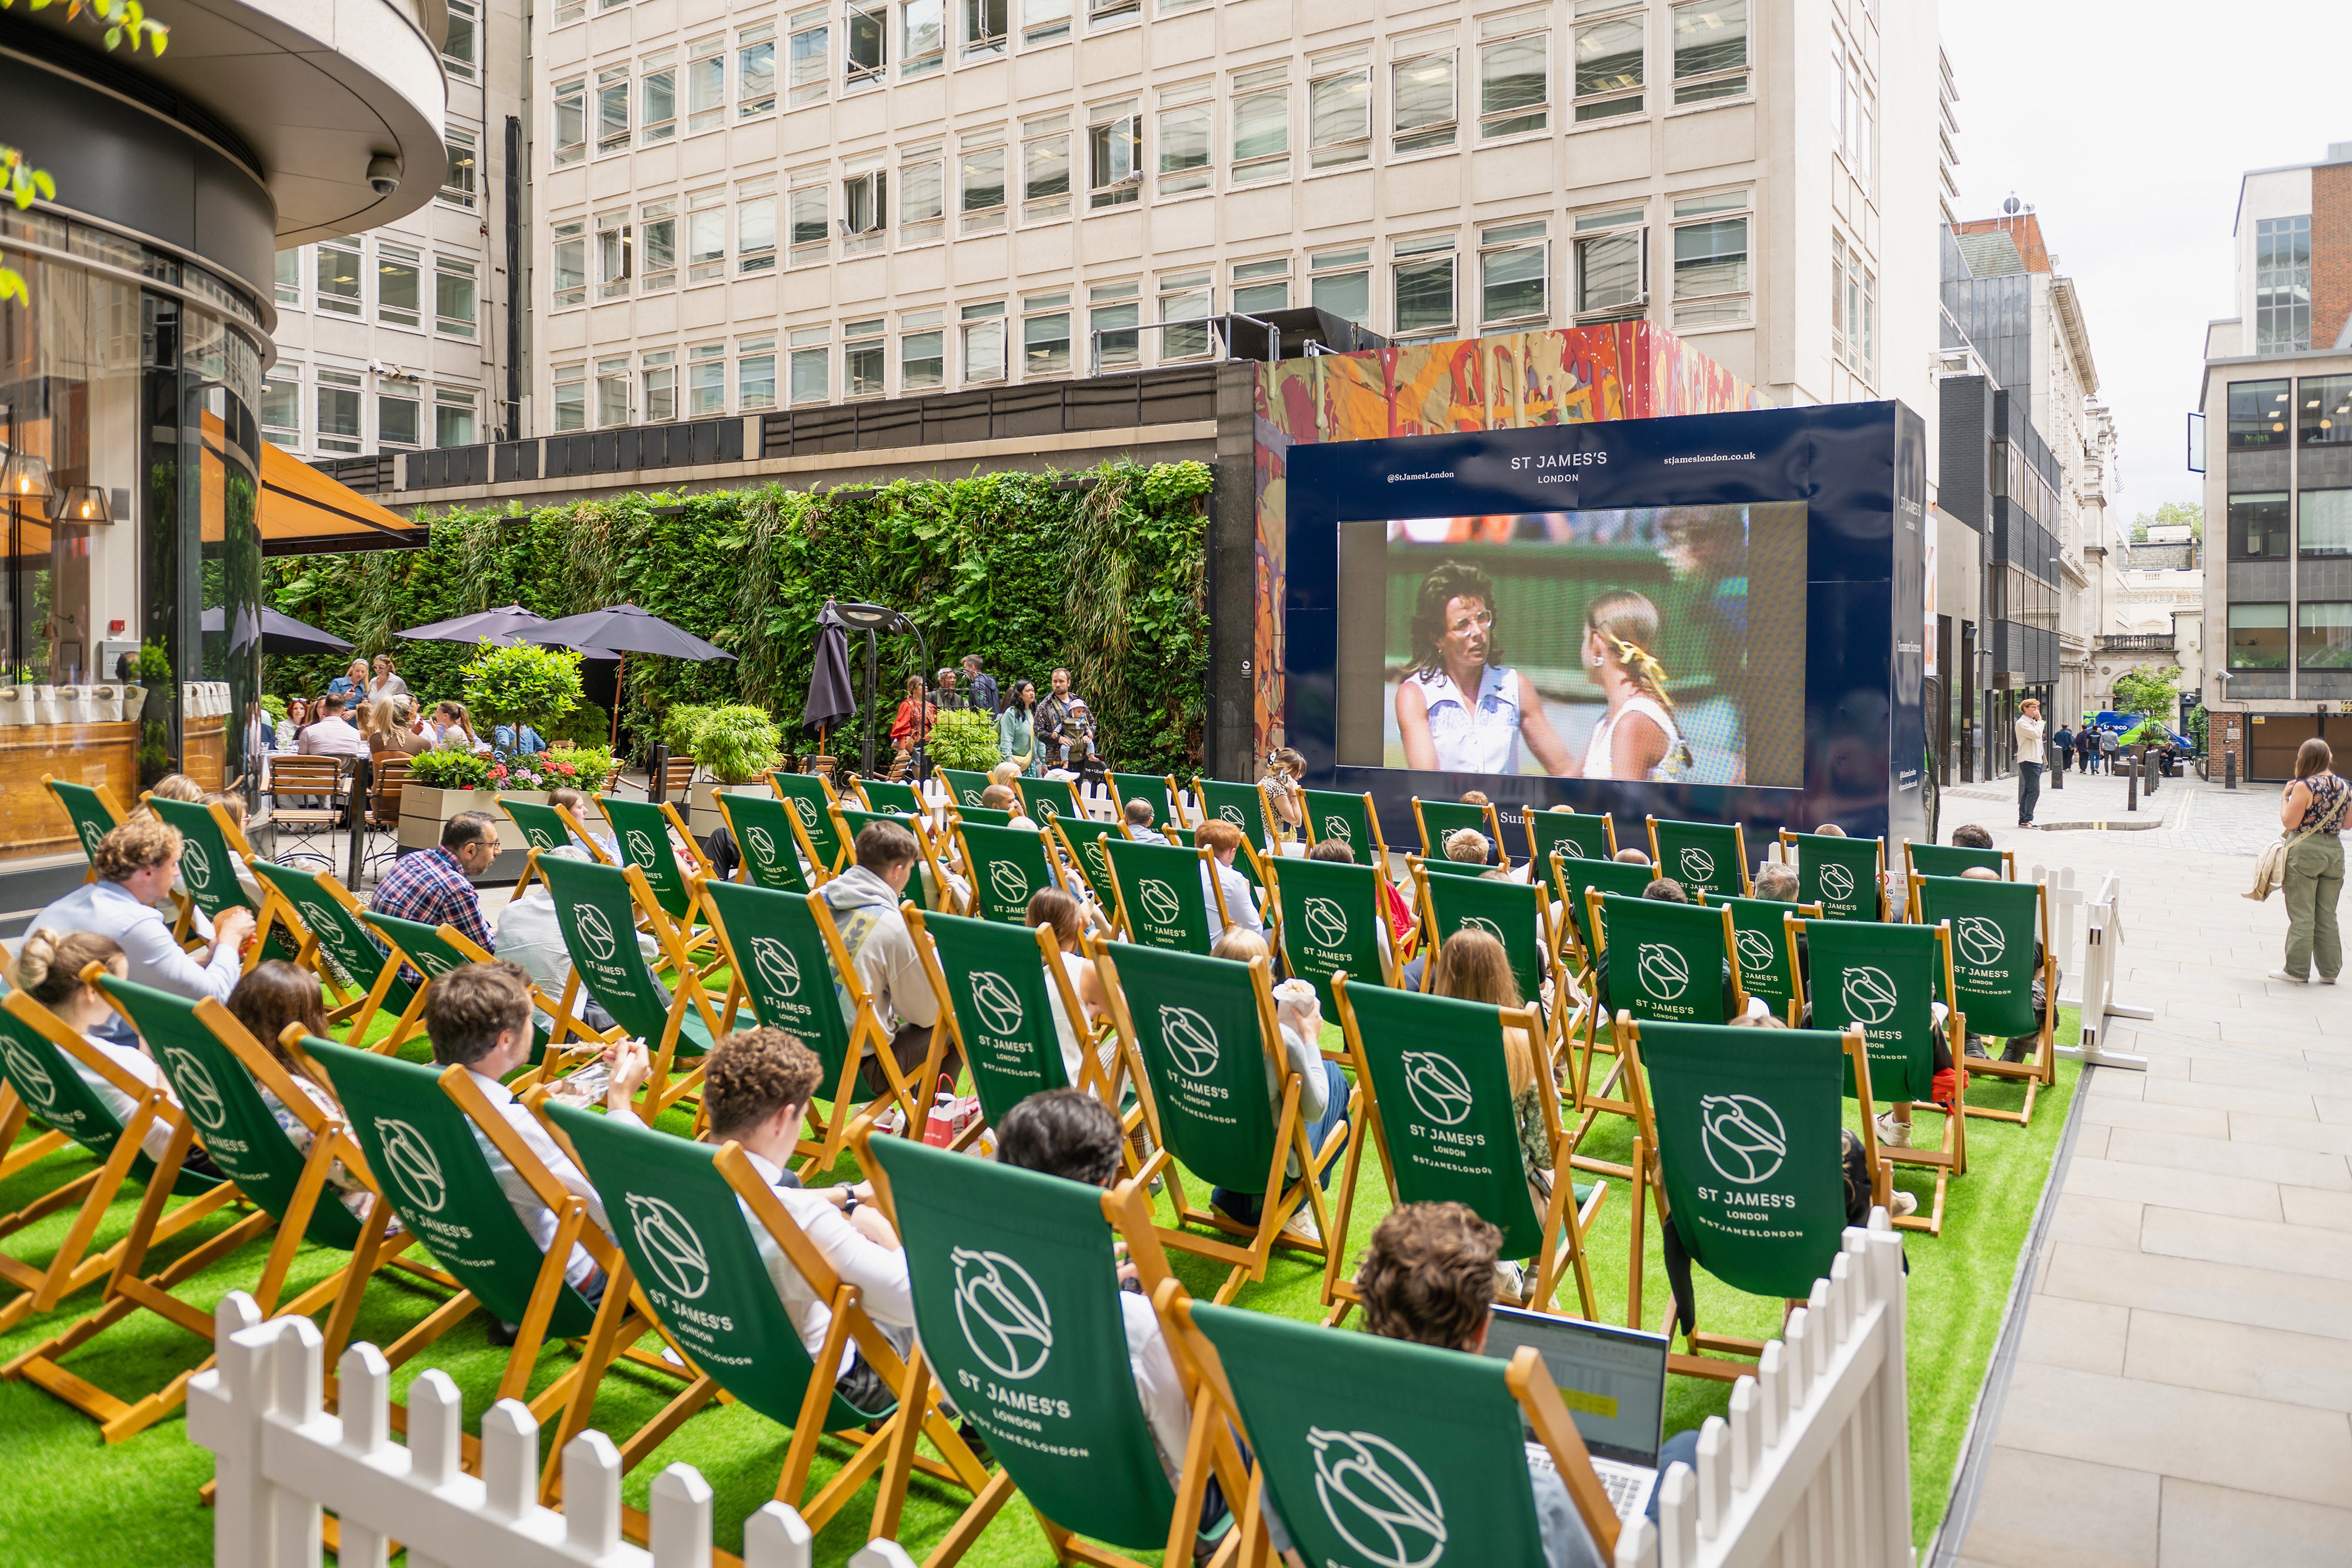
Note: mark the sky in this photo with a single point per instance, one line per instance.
(2127, 130)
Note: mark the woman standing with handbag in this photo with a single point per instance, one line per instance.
(2311, 811)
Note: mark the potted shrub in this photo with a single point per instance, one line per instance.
(736, 746)
(963, 739)
(440, 785)
(524, 684)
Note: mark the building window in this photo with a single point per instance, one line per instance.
(657, 99)
(1045, 168)
(1185, 296)
(612, 393)
(616, 256)
(1423, 294)
(1261, 125)
(2259, 526)
(923, 37)
(453, 417)
(571, 397)
(922, 351)
(1339, 111)
(281, 409)
(1340, 282)
(569, 11)
(458, 180)
(866, 27)
(1840, 348)
(339, 277)
(2259, 412)
(1869, 366)
(658, 247)
(1045, 334)
(453, 296)
(983, 27)
(571, 122)
(1421, 101)
(613, 110)
(2283, 285)
(983, 187)
(811, 364)
(660, 378)
(865, 209)
(338, 406)
(396, 420)
(921, 197)
(1710, 51)
(1114, 161)
(706, 235)
(399, 286)
(1101, 11)
(705, 82)
(571, 263)
(290, 277)
(809, 67)
(1114, 311)
(1186, 128)
(755, 372)
(1613, 266)
(755, 70)
(811, 216)
(460, 43)
(706, 380)
(2327, 411)
(2323, 636)
(1043, 21)
(1710, 261)
(2324, 522)
(755, 224)
(1609, 67)
(983, 342)
(861, 359)
(1514, 75)
(1260, 286)
(1514, 273)
(2258, 636)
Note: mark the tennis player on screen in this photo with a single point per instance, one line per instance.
(1460, 710)
(1637, 737)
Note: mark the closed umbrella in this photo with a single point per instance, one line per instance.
(622, 628)
(830, 698)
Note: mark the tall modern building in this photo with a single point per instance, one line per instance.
(2278, 401)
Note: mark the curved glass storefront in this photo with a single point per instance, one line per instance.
(130, 457)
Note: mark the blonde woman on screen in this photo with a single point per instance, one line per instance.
(1636, 738)
(1460, 709)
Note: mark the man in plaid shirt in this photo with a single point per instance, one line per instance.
(435, 887)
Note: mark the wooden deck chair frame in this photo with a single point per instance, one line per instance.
(1784, 950)
(1738, 837)
(1950, 1158)
(73, 1267)
(1793, 845)
(1566, 1223)
(1570, 899)
(1120, 795)
(926, 850)
(2042, 1070)
(105, 797)
(1725, 1358)
(863, 790)
(128, 1290)
(240, 849)
(571, 825)
(358, 1009)
(888, 1453)
(1548, 942)
(412, 1018)
(1042, 798)
(693, 870)
(2007, 864)
(824, 867)
(1392, 965)
(1268, 828)
(1096, 878)
(1378, 856)
(1494, 830)
(1280, 1199)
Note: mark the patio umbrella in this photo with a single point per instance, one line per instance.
(280, 633)
(499, 625)
(830, 699)
(616, 632)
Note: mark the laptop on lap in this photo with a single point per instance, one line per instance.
(1613, 1382)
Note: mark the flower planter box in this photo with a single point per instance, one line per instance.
(424, 810)
(702, 815)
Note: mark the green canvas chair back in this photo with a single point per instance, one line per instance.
(1380, 1451)
(1003, 1005)
(542, 827)
(1043, 798)
(1574, 835)
(1198, 1028)
(207, 865)
(988, 816)
(1011, 1273)
(1665, 960)
(599, 922)
(92, 820)
(51, 1085)
(1243, 805)
(855, 821)
(1007, 866)
(1337, 814)
(221, 1098)
(427, 1158)
(889, 795)
(1994, 926)
(1180, 837)
(1883, 980)
(1510, 912)
(1573, 879)
(1085, 838)
(433, 954)
(640, 828)
(1841, 874)
(1156, 787)
(1331, 923)
(1445, 1093)
(1747, 1128)
(763, 831)
(1951, 859)
(806, 794)
(1159, 888)
(1767, 967)
(342, 937)
(690, 1243)
(785, 969)
(1438, 865)
(964, 786)
(1437, 819)
(1708, 857)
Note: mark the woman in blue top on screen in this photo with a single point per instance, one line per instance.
(1636, 738)
(1459, 710)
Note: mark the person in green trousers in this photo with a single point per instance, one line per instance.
(2311, 813)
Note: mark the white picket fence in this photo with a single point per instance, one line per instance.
(2094, 979)
(1813, 1468)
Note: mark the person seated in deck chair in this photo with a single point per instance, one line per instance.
(1777, 884)
(1223, 843)
(479, 1018)
(273, 995)
(756, 1085)
(864, 902)
(1139, 828)
(1322, 1087)
(2021, 1045)
(1631, 856)
(1970, 836)
(576, 802)
(1666, 890)
(135, 863)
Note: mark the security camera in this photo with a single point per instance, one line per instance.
(384, 174)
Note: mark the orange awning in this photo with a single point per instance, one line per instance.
(302, 509)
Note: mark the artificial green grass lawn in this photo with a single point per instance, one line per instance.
(71, 1499)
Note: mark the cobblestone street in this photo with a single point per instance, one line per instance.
(2191, 813)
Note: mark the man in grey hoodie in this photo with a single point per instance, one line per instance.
(865, 904)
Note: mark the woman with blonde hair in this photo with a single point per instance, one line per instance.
(49, 969)
(392, 727)
(1473, 967)
(1636, 738)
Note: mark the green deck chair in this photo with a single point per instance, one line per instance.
(336, 944)
(596, 908)
(851, 820)
(1082, 841)
(1739, 1139)
(431, 951)
(1679, 953)
(1768, 960)
(686, 1217)
(1435, 818)
(1383, 1451)
(1350, 818)
(1161, 900)
(1884, 980)
(211, 850)
(1572, 879)
(94, 812)
(989, 816)
(1516, 914)
(1011, 1273)
(1951, 859)
(1243, 805)
(1439, 1109)
(769, 834)
(1994, 927)
(48, 1066)
(1574, 835)
(1160, 789)
(1333, 924)
(545, 827)
(1705, 857)
(643, 829)
(795, 971)
(1007, 867)
(889, 795)
(1044, 799)
(1204, 1031)
(1846, 877)
(964, 786)
(811, 800)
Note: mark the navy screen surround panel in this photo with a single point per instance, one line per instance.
(1859, 469)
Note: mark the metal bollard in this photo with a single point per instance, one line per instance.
(656, 774)
(2131, 789)
(2055, 771)
(2229, 771)
(2147, 762)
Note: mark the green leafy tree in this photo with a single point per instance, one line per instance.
(2150, 693)
(2170, 515)
(524, 683)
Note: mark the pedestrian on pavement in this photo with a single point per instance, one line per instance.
(2065, 741)
(982, 686)
(2029, 759)
(2311, 813)
(2109, 748)
(2086, 744)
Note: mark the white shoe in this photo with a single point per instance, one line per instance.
(1892, 1134)
(1510, 1281)
(1301, 1226)
(1901, 1204)
(2290, 979)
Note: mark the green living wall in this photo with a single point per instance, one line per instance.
(1026, 569)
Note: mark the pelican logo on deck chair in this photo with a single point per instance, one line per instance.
(1003, 1313)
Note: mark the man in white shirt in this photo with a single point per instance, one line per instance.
(135, 862)
(480, 1017)
(1224, 840)
(756, 1085)
(331, 734)
(2029, 759)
